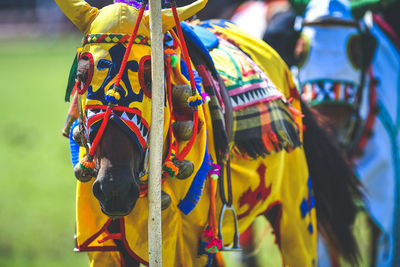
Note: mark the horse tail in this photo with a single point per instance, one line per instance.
(336, 187)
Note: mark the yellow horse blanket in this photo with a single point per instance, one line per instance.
(280, 179)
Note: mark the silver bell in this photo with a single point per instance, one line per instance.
(165, 200)
(80, 174)
(183, 130)
(76, 135)
(186, 168)
(180, 95)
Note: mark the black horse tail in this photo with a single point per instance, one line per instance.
(336, 187)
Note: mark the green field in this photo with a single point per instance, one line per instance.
(37, 185)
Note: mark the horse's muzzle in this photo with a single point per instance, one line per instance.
(117, 197)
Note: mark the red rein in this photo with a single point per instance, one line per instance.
(100, 133)
(189, 145)
(186, 58)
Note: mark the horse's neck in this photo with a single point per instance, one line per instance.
(386, 68)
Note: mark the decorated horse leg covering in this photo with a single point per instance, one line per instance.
(280, 185)
(104, 258)
(297, 226)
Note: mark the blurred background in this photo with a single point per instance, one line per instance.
(37, 185)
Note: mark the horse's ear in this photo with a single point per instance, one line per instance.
(299, 6)
(358, 8)
(79, 12)
(184, 12)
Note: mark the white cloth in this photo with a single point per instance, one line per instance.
(322, 9)
(251, 17)
(327, 58)
(377, 166)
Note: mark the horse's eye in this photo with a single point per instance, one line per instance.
(145, 75)
(302, 50)
(84, 71)
(353, 50)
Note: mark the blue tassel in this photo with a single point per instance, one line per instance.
(196, 188)
(201, 251)
(197, 81)
(73, 146)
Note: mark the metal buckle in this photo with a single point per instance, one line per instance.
(236, 244)
(144, 171)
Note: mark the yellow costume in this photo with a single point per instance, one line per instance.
(278, 180)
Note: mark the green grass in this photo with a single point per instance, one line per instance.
(37, 185)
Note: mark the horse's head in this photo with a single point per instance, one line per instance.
(121, 143)
(333, 53)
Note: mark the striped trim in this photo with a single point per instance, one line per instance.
(114, 38)
(317, 92)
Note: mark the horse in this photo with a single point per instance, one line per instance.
(340, 51)
(232, 123)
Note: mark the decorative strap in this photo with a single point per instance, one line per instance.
(114, 38)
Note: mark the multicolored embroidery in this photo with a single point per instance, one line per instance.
(114, 38)
(317, 92)
(249, 85)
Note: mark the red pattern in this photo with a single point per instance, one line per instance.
(292, 89)
(252, 198)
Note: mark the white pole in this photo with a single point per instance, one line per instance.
(156, 134)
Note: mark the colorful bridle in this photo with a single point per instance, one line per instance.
(129, 119)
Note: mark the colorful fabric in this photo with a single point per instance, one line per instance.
(73, 146)
(329, 51)
(244, 80)
(265, 128)
(133, 3)
(114, 38)
(262, 121)
(284, 175)
(315, 93)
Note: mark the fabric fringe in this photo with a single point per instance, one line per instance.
(196, 188)
(265, 128)
(73, 146)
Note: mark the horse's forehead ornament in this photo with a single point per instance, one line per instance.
(117, 86)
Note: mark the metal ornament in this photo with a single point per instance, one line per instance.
(186, 168)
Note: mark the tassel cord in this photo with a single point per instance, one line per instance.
(130, 43)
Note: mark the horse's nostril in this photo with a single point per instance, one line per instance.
(134, 191)
(97, 192)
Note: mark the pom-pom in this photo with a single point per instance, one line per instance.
(172, 55)
(195, 101)
(209, 243)
(206, 97)
(174, 60)
(88, 166)
(215, 171)
(170, 169)
(112, 96)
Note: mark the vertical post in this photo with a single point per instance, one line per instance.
(156, 134)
